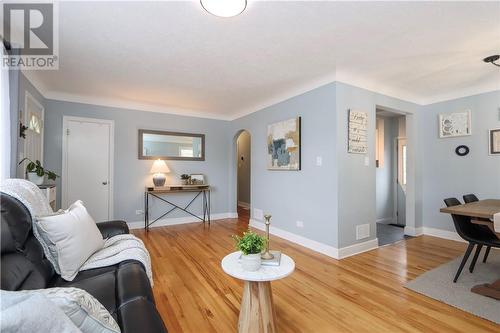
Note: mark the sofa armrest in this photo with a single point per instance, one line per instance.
(112, 228)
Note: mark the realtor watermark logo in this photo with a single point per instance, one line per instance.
(31, 30)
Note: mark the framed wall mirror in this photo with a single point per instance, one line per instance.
(171, 145)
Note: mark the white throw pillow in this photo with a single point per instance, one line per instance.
(71, 238)
(84, 310)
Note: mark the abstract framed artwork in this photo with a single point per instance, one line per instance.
(283, 145)
(455, 124)
(357, 142)
(494, 142)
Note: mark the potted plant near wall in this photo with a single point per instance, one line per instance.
(251, 245)
(185, 179)
(36, 173)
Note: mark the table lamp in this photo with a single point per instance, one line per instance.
(159, 169)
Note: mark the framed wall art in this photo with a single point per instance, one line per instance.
(357, 142)
(494, 142)
(283, 145)
(454, 124)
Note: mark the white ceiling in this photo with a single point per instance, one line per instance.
(174, 57)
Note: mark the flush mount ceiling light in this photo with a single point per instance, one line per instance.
(224, 8)
(492, 59)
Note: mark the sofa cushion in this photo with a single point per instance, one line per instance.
(71, 238)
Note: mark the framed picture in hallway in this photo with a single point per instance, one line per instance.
(494, 140)
(283, 145)
(454, 124)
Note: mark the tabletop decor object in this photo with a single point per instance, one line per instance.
(250, 245)
(159, 169)
(257, 313)
(266, 255)
(196, 179)
(185, 179)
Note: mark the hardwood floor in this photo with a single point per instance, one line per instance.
(363, 293)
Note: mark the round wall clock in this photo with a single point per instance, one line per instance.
(462, 150)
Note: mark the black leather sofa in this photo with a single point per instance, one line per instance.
(124, 289)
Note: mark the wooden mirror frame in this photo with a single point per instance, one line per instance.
(143, 157)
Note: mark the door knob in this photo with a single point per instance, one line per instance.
(104, 183)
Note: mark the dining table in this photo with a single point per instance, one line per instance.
(481, 212)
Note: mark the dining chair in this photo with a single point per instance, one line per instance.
(474, 234)
(468, 198)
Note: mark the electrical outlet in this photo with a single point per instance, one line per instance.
(362, 231)
(258, 214)
(300, 224)
(367, 161)
(319, 161)
(139, 212)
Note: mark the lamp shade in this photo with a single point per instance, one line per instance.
(160, 166)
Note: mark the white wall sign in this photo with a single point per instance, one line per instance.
(454, 124)
(357, 132)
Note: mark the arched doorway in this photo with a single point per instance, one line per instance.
(243, 174)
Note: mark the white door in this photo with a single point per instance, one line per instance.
(401, 182)
(33, 119)
(88, 165)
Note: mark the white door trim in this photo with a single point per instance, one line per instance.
(111, 183)
(29, 96)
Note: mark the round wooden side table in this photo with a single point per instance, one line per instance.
(257, 313)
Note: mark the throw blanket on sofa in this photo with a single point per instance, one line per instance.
(116, 249)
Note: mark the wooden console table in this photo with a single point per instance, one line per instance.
(157, 192)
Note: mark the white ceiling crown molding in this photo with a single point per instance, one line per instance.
(121, 104)
(293, 92)
(116, 103)
(474, 90)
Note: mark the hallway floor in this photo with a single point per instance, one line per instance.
(389, 233)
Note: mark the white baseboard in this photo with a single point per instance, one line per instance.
(305, 242)
(412, 231)
(318, 246)
(180, 220)
(244, 204)
(451, 235)
(385, 220)
(352, 250)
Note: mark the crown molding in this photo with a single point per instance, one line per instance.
(338, 76)
(281, 97)
(466, 92)
(117, 103)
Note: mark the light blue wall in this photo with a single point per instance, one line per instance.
(385, 173)
(356, 182)
(308, 195)
(131, 175)
(331, 200)
(446, 174)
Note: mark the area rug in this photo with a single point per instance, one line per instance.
(438, 284)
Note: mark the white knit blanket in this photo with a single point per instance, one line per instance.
(115, 250)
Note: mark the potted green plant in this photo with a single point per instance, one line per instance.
(36, 173)
(185, 179)
(251, 245)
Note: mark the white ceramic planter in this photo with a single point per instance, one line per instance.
(36, 179)
(250, 262)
